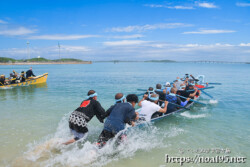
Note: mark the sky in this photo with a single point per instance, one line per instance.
(181, 30)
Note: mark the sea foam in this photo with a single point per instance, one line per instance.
(188, 115)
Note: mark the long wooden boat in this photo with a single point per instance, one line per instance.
(30, 81)
(189, 105)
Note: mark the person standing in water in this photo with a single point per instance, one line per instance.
(117, 116)
(83, 114)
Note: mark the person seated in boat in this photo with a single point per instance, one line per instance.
(149, 108)
(2, 80)
(79, 118)
(12, 80)
(168, 87)
(117, 117)
(150, 91)
(194, 92)
(183, 92)
(173, 99)
(22, 77)
(15, 74)
(161, 93)
(178, 82)
(29, 73)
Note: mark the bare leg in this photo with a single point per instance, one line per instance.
(70, 141)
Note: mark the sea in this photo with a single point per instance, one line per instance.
(34, 119)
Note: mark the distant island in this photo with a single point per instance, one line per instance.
(161, 61)
(136, 61)
(34, 61)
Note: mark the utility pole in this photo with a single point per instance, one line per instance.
(28, 49)
(59, 47)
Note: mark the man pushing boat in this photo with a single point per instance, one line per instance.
(83, 114)
(117, 116)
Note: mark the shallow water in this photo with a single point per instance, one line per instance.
(34, 119)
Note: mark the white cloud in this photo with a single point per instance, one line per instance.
(3, 22)
(74, 48)
(141, 50)
(47, 52)
(181, 7)
(149, 50)
(244, 44)
(243, 4)
(125, 43)
(61, 37)
(169, 7)
(206, 5)
(209, 32)
(17, 31)
(128, 36)
(149, 27)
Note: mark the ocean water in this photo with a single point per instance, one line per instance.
(34, 119)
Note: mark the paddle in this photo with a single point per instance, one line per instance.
(191, 100)
(207, 94)
(179, 105)
(142, 90)
(201, 88)
(210, 83)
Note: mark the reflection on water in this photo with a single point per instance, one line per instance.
(21, 92)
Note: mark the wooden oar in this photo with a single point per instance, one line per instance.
(201, 88)
(192, 100)
(142, 90)
(210, 83)
(207, 94)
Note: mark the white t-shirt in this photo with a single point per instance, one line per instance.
(148, 109)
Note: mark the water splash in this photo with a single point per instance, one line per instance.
(4, 88)
(188, 115)
(50, 152)
(213, 101)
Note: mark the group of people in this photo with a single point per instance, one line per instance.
(153, 104)
(16, 78)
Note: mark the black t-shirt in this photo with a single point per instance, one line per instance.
(183, 93)
(2, 81)
(162, 96)
(83, 114)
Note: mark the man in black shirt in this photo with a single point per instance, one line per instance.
(29, 73)
(83, 114)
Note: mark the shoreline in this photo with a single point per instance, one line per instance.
(46, 63)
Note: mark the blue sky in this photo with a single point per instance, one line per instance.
(126, 30)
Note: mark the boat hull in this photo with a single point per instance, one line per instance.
(31, 81)
(139, 124)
